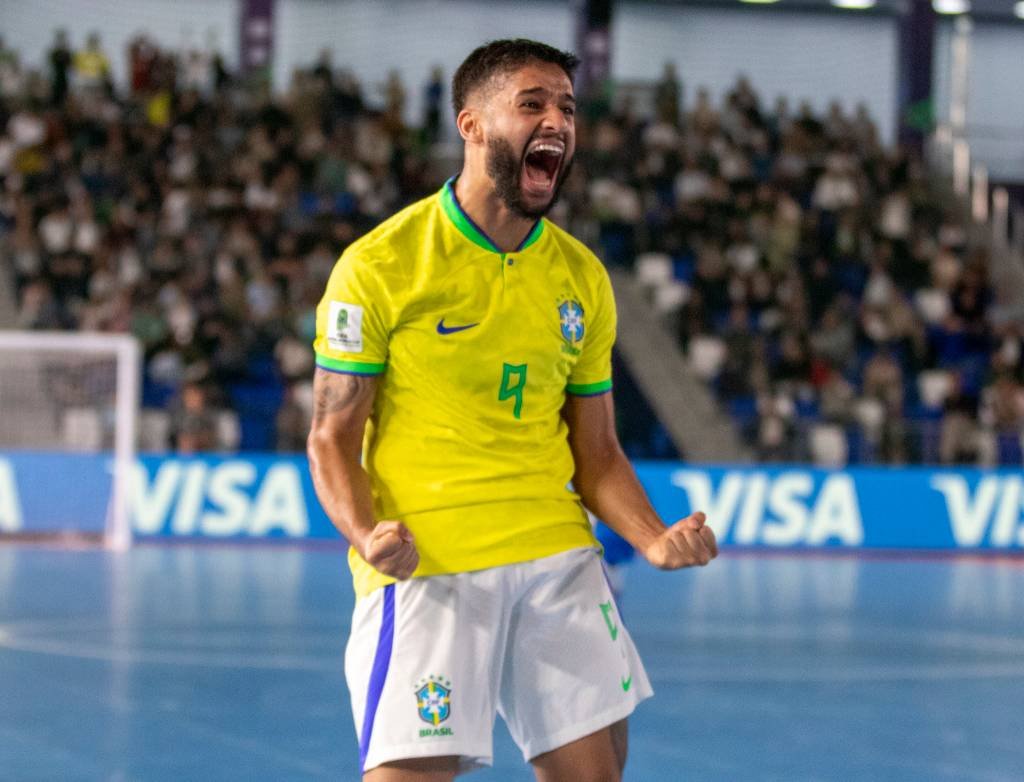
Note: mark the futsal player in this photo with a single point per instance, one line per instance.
(464, 352)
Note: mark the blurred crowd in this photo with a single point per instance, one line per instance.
(821, 282)
(200, 213)
(816, 278)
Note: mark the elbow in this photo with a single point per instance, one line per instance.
(318, 440)
(314, 446)
(312, 443)
(329, 443)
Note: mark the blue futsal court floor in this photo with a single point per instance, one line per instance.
(225, 663)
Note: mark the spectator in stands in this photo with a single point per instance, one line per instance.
(958, 438)
(143, 56)
(837, 396)
(294, 417)
(793, 367)
(775, 430)
(741, 350)
(92, 67)
(8, 57)
(883, 380)
(834, 338)
(668, 96)
(39, 308)
(11, 76)
(394, 103)
(1002, 416)
(193, 422)
(59, 59)
(836, 188)
(433, 95)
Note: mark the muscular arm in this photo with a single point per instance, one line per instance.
(606, 482)
(341, 406)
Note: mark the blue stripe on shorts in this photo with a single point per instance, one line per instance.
(379, 672)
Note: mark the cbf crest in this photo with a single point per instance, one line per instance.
(434, 699)
(570, 315)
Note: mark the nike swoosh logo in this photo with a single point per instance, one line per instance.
(443, 329)
(626, 683)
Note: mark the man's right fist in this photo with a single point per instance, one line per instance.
(687, 542)
(390, 549)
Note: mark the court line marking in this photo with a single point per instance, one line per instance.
(23, 636)
(1011, 669)
(206, 659)
(1010, 557)
(844, 674)
(833, 633)
(324, 622)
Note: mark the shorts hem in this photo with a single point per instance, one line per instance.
(581, 729)
(468, 761)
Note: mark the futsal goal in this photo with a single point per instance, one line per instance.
(69, 404)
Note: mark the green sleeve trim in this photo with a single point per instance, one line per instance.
(349, 367)
(589, 389)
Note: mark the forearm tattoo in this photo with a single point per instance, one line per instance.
(336, 393)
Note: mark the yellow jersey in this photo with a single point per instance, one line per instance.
(475, 350)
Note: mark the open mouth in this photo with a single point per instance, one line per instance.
(541, 165)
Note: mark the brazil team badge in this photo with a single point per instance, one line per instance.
(434, 704)
(570, 314)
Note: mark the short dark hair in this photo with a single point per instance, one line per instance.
(499, 57)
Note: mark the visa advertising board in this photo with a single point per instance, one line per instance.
(272, 496)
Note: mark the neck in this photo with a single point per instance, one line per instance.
(476, 196)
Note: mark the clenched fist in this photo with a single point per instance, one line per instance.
(687, 542)
(391, 549)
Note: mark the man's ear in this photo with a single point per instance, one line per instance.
(468, 123)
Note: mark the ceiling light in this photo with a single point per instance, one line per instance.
(1018, 10)
(857, 5)
(951, 6)
(759, 2)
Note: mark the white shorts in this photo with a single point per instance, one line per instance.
(431, 660)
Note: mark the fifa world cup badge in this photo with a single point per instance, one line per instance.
(345, 327)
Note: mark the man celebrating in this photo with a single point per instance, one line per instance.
(464, 352)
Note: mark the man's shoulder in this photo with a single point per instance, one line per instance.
(581, 257)
(396, 239)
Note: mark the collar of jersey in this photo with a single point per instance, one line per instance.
(453, 209)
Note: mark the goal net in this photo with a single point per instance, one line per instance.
(68, 411)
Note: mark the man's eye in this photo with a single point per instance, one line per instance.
(569, 111)
(531, 104)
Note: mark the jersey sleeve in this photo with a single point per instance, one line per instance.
(354, 319)
(592, 373)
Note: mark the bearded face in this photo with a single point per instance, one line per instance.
(528, 182)
(530, 137)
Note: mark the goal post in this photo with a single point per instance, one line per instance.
(67, 396)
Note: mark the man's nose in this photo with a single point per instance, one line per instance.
(556, 119)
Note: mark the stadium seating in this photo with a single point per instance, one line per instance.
(817, 281)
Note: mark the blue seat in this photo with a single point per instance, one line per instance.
(156, 394)
(743, 408)
(807, 408)
(683, 268)
(1008, 449)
